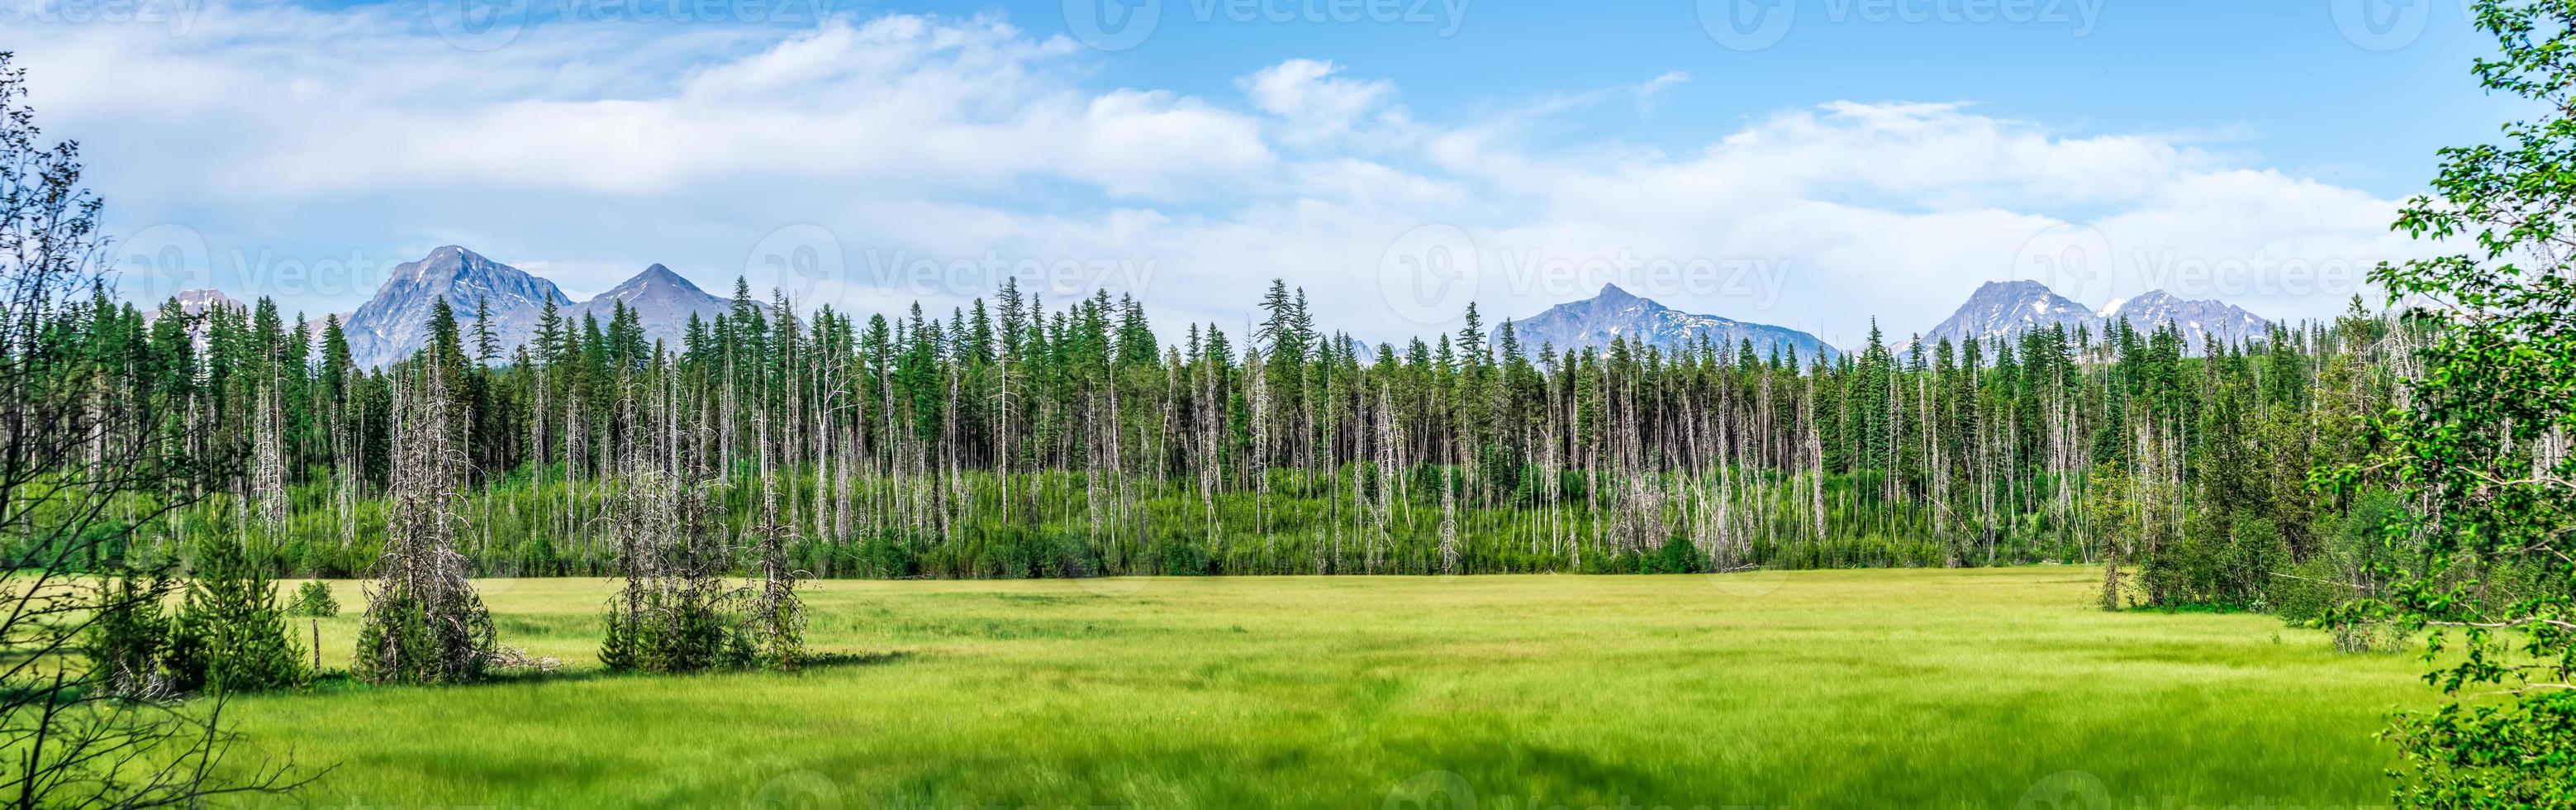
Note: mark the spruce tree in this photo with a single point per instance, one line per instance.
(230, 633)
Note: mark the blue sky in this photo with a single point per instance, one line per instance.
(2278, 77)
(1397, 159)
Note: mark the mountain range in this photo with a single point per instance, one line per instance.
(395, 323)
(2007, 309)
(1617, 313)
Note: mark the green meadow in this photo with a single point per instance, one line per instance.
(1944, 688)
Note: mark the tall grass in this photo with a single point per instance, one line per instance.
(1943, 688)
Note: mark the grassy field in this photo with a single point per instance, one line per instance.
(1983, 688)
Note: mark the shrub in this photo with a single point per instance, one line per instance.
(230, 635)
(314, 599)
(1677, 557)
(127, 641)
(677, 632)
(410, 640)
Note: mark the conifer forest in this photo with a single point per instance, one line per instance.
(1017, 439)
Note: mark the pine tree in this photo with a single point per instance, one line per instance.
(230, 634)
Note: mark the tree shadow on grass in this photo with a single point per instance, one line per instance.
(837, 660)
(339, 681)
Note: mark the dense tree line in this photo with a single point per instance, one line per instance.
(1014, 439)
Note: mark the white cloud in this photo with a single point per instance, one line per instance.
(1318, 106)
(588, 147)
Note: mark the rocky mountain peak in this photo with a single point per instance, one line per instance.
(395, 323)
(1616, 314)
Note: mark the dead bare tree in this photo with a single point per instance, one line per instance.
(424, 622)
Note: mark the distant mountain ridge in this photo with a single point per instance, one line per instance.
(1618, 314)
(2009, 309)
(394, 324)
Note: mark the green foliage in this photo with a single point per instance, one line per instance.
(412, 640)
(2482, 453)
(671, 633)
(128, 640)
(314, 599)
(1677, 556)
(2323, 590)
(230, 635)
